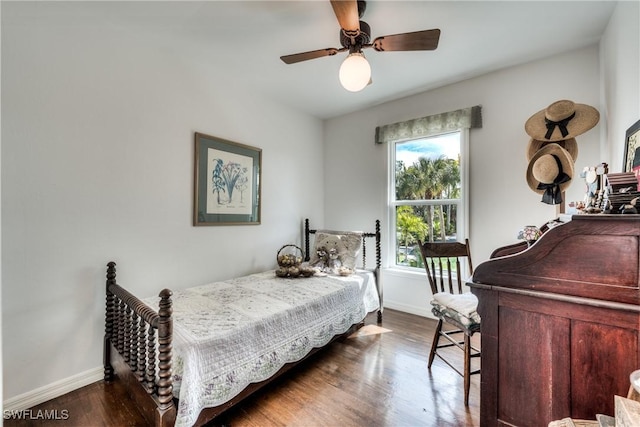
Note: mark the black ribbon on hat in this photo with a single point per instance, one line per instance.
(562, 125)
(552, 194)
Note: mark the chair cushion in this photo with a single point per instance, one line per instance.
(460, 307)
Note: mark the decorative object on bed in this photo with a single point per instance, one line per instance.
(227, 182)
(306, 270)
(213, 345)
(632, 143)
(289, 256)
(289, 259)
(335, 252)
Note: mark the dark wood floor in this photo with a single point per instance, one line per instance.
(367, 380)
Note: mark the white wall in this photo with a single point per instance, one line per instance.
(97, 165)
(620, 83)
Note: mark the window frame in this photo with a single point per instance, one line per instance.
(462, 231)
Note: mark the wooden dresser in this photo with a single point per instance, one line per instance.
(560, 323)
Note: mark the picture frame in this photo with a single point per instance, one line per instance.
(632, 143)
(227, 180)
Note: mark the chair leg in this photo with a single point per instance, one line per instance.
(434, 345)
(467, 368)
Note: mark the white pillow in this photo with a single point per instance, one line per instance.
(342, 247)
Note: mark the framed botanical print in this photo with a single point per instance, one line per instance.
(226, 183)
(632, 144)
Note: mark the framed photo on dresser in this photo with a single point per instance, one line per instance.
(632, 143)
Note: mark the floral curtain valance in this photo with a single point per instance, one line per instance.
(431, 125)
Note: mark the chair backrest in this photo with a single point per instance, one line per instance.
(443, 262)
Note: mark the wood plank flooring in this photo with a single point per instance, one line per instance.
(366, 380)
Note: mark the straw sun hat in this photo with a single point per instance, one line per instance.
(571, 145)
(550, 172)
(561, 120)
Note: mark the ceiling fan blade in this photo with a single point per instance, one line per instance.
(304, 56)
(418, 40)
(347, 13)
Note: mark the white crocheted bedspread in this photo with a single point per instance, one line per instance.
(230, 334)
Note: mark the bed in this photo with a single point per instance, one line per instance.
(206, 348)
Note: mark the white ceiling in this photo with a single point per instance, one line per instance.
(247, 38)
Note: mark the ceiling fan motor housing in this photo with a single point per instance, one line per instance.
(356, 41)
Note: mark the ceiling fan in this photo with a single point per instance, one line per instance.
(355, 35)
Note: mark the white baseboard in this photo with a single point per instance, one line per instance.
(51, 391)
(411, 309)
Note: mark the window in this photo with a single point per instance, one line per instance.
(428, 181)
(427, 194)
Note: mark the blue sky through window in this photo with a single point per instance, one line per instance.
(448, 145)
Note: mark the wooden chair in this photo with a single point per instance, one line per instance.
(444, 263)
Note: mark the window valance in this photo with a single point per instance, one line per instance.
(431, 125)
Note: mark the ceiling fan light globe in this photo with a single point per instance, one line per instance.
(355, 72)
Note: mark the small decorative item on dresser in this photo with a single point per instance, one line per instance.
(621, 189)
(632, 142)
(530, 233)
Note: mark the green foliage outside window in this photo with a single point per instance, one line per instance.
(427, 193)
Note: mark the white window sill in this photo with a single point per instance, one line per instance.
(405, 272)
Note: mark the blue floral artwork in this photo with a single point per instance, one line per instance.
(229, 189)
